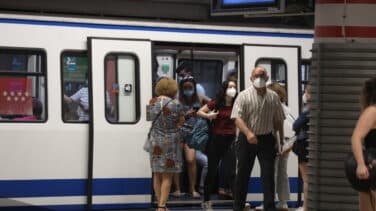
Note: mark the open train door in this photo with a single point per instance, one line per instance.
(119, 169)
(282, 64)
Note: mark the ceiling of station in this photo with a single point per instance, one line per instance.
(298, 13)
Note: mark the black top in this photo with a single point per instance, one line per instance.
(370, 139)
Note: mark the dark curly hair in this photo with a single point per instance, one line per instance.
(369, 92)
(221, 94)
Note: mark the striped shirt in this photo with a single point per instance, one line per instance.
(258, 112)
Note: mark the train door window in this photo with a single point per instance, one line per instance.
(121, 80)
(277, 70)
(22, 85)
(75, 86)
(305, 73)
(305, 70)
(208, 73)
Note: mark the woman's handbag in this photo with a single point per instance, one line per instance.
(148, 145)
(362, 185)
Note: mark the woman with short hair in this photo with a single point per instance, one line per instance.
(165, 152)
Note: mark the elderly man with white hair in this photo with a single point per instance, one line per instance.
(257, 112)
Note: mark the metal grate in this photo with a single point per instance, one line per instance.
(338, 71)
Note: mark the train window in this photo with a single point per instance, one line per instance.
(277, 70)
(121, 79)
(74, 69)
(305, 70)
(22, 85)
(305, 73)
(208, 73)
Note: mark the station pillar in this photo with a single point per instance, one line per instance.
(343, 57)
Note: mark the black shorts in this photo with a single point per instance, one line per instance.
(300, 149)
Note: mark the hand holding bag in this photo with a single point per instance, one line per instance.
(363, 185)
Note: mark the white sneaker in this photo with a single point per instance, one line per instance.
(207, 206)
(261, 207)
(300, 209)
(247, 207)
(282, 205)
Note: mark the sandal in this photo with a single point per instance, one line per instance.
(163, 208)
(177, 194)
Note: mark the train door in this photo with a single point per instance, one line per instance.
(121, 81)
(209, 65)
(282, 64)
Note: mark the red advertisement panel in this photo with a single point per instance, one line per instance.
(16, 96)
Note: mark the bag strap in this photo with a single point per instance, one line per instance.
(156, 117)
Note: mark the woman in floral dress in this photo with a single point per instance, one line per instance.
(165, 152)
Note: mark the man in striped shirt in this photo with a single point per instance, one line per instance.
(257, 112)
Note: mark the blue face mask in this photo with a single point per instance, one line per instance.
(188, 93)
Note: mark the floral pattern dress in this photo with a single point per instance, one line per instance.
(166, 153)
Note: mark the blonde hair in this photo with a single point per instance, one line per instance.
(167, 87)
(280, 90)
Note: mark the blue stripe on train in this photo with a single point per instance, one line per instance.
(157, 29)
(73, 187)
(77, 187)
(77, 207)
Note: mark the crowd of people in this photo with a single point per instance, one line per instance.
(247, 125)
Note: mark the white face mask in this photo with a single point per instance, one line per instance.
(259, 82)
(231, 92)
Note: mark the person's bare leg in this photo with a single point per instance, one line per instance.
(165, 189)
(157, 179)
(190, 156)
(304, 173)
(365, 201)
(176, 183)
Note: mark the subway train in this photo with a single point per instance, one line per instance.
(57, 155)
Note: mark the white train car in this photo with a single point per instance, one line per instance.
(59, 160)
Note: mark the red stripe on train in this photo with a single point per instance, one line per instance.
(347, 1)
(350, 31)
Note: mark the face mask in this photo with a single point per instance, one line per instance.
(231, 92)
(305, 99)
(188, 93)
(259, 83)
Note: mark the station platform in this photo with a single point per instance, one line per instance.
(196, 209)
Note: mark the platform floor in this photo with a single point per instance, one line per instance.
(195, 209)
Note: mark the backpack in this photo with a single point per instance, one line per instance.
(200, 135)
